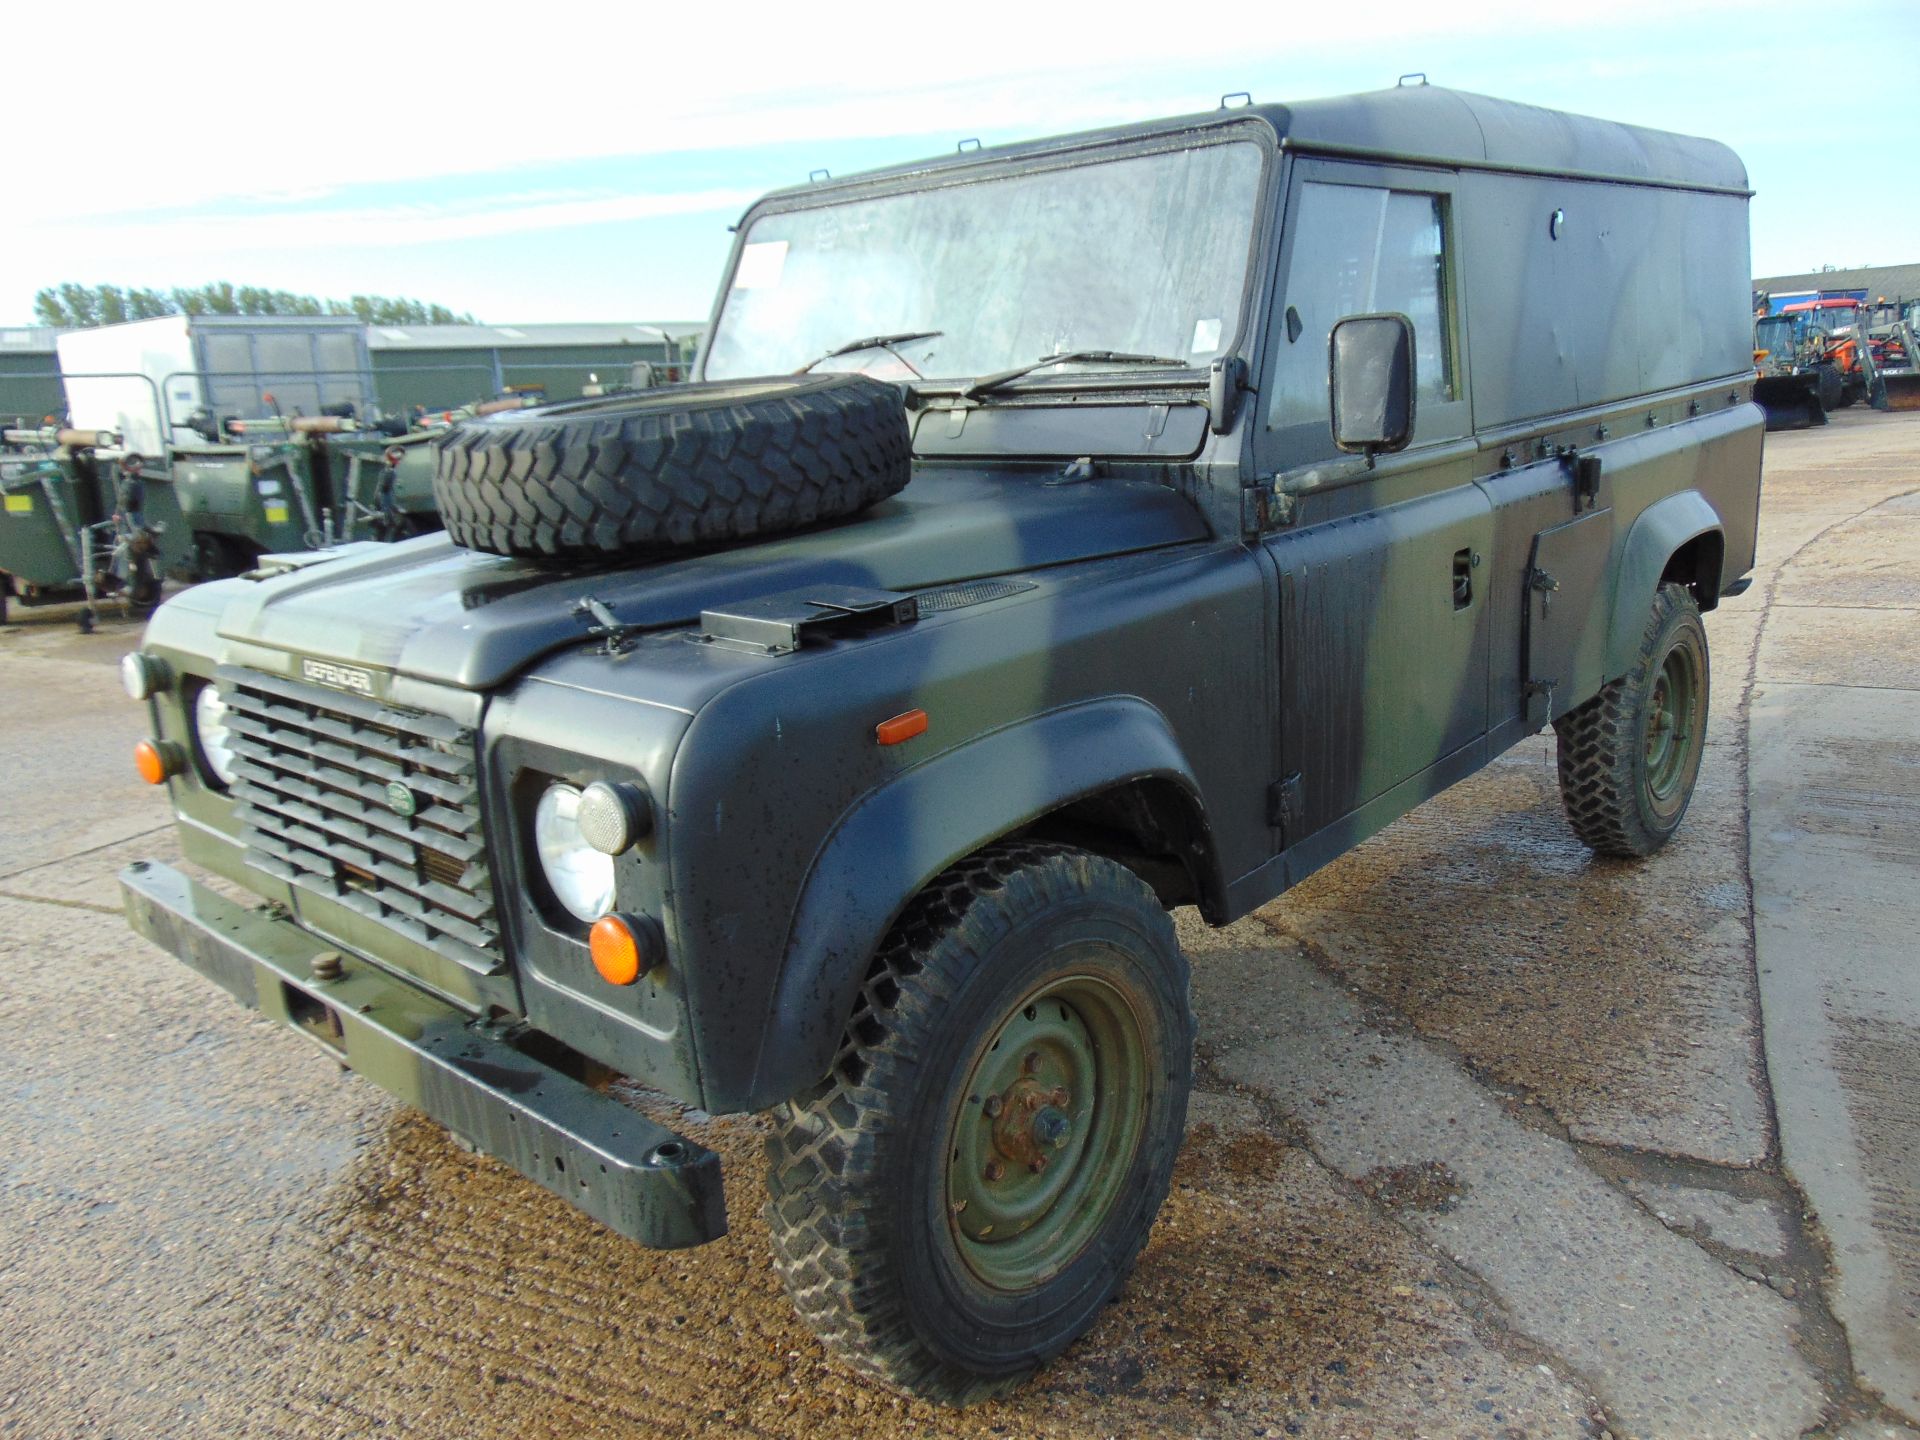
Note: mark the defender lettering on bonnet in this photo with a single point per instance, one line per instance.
(338, 677)
(1209, 492)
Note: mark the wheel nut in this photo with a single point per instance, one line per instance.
(1060, 1095)
(995, 1170)
(994, 1105)
(1032, 1062)
(1039, 1163)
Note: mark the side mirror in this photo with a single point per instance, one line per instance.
(1370, 367)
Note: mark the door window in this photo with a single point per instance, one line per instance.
(1357, 250)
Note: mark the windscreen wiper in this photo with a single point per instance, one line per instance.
(988, 383)
(876, 342)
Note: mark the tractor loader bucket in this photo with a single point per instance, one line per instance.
(1792, 402)
(1903, 389)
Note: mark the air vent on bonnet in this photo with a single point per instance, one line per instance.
(977, 592)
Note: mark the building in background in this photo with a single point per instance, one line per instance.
(440, 366)
(227, 364)
(1872, 283)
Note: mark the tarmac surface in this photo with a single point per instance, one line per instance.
(1493, 1138)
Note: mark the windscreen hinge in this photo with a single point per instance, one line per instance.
(614, 634)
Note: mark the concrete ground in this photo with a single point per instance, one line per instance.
(1493, 1138)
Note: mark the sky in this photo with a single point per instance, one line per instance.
(585, 163)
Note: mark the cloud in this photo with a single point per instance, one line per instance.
(450, 92)
(376, 227)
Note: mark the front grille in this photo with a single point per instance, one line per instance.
(313, 777)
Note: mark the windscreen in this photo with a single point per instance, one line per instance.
(1145, 254)
(1775, 335)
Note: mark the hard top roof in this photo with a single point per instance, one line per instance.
(1409, 122)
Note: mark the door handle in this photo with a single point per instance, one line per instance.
(1463, 563)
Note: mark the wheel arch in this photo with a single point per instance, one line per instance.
(1108, 776)
(1679, 539)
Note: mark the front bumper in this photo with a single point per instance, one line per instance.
(632, 1175)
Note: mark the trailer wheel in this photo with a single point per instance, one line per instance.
(1629, 756)
(681, 466)
(974, 1179)
(216, 557)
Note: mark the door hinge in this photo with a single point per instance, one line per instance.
(1255, 513)
(1586, 478)
(1285, 806)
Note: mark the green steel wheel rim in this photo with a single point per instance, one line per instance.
(1045, 1132)
(1673, 727)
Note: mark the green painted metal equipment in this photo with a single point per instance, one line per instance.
(78, 521)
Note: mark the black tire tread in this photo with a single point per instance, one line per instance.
(1597, 743)
(829, 1248)
(535, 484)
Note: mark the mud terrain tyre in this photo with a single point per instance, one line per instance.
(686, 465)
(1829, 384)
(1629, 756)
(976, 1175)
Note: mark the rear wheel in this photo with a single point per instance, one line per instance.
(1629, 757)
(955, 1202)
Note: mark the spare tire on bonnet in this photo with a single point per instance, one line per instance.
(684, 465)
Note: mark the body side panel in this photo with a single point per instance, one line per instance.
(775, 767)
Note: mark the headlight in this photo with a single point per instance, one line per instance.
(580, 876)
(210, 729)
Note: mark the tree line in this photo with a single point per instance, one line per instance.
(81, 306)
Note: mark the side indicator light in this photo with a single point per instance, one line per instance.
(901, 727)
(157, 762)
(619, 948)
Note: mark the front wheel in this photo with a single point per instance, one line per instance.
(1629, 756)
(954, 1203)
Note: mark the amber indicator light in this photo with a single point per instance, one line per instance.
(615, 950)
(901, 727)
(152, 763)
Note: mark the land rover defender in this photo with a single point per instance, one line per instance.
(1053, 535)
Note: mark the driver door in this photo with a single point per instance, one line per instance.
(1383, 607)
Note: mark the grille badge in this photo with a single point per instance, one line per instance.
(402, 801)
(338, 677)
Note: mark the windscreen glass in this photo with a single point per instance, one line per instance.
(1145, 254)
(1774, 335)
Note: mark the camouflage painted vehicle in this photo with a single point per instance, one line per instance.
(1270, 471)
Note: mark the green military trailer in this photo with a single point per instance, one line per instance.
(1160, 513)
(280, 486)
(243, 499)
(381, 484)
(81, 519)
